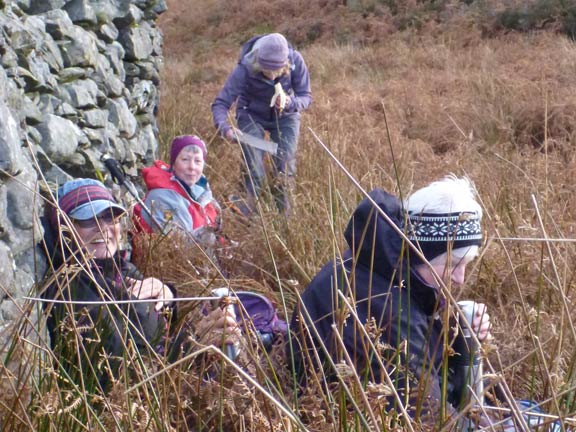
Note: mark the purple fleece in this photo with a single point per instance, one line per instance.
(253, 91)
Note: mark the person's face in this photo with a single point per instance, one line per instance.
(100, 236)
(272, 74)
(189, 165)
(452, 269)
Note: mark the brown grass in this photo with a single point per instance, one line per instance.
(500, 110)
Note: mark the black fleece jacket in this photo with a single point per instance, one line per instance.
(374, 274)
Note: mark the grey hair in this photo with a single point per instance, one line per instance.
(194, 149)
(448, 195)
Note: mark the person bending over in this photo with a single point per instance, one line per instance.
(271, 86)
(396, 294)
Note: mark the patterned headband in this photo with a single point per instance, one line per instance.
(434, 232)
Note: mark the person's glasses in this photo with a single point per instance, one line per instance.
(105, 219)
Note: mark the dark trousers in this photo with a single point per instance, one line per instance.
(284, 131)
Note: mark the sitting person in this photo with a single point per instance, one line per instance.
(89, 274)
(179, 195)
(396, 294)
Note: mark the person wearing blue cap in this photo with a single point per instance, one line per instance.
(90, 274)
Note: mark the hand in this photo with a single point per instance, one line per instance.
(281, 106)
(481, 322)
(150, 288)
(232, 134)
(217, 327)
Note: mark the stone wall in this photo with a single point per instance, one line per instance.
(78, 80)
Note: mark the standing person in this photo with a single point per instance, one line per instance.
(271, 86)
(397, 294)
(83, 237)
(179, 195)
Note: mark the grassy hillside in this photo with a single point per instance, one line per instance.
(404, 93)
(403, 96)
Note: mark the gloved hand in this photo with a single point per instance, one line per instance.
(232, 134)
(217, 327)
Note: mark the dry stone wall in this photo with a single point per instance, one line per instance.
(78, 80)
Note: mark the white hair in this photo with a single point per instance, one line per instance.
(448, 195)
(194, 149)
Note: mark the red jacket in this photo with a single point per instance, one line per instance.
(170, 201)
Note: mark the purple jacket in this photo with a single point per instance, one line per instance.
(253, 91)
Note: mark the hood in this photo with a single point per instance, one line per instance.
(379, 247)
(371, 238)
(157, 176)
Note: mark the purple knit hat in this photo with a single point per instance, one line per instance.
(180, 142)
(272, 51)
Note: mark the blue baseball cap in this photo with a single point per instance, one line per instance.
(84, 199)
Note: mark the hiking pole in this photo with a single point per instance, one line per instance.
(119, 177)
(470, 362)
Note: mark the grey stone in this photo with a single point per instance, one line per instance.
(58, 24)
(143, 97)
(80, 11)
(71, 74)
(31, 112)
(9, 141)
(148, 71)
(132, 16)
(96, 136)
(115, 53)
(7, 267)
(51, 172)
(107, 81)
(23, 202)
(22, 39)
(157, 40)
(48, 103)
(50, 53)
(59, 138)
(40, 6)
(158, 7)
(108, 32)
(33, 135)
(136, 41)
(132, 69)
(79, 48)
(80, 93)
(147, 144)
(23, 4)
(121, 116)
(95, 118)
(9, 59)
(38, 76)
(64, 109)
(93, 160)
(107, 10)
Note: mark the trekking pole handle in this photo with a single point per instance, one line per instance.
(116, 170)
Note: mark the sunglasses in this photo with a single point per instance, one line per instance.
(105, 219)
